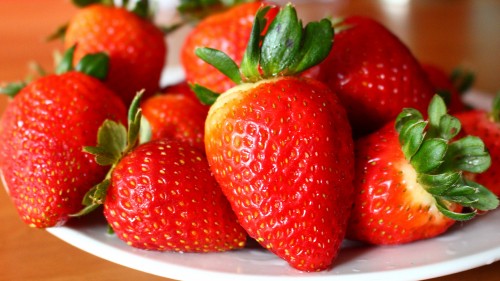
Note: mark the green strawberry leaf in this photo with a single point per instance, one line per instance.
(59, 33)
(316, 43)
(430, 155)
(411, 136)
(11, 89)
(461, 190)
(439, 184)
(437, 109)
(453, 215)
(95, 65)
(221, 61)
(250, 62)
(134, 122)
(487, 200)
(449, 127)
(111, 142)
(142, 9)
(405, 116)
(468, 154)
(205, 95)
(281, 44)
(66, 63)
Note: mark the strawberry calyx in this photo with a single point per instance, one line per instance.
(440, 159)
(286, 49)
(95, 65)
(114, 141)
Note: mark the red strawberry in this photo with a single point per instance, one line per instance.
(409, 178)
(227, 31)
(176, 115)
(44, 129)
(181, 88)
(486, 125)
(444, 86)
(374, 74)
(161, 195)
(136, 47)
(281, 147)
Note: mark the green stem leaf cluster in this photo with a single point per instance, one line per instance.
(440, 159)
(286, 49)
(114, 141)
(95, 65)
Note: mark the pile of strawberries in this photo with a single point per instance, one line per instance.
(295, 136)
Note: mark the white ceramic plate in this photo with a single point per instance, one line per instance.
(467, 245)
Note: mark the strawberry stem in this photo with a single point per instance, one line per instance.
(440, 160)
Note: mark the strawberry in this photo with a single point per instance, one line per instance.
(444, 86)
(181, 88)
(227, 31)
(280, 146)
(176, 115)
(409, 178)
(485, 125)
(136, 47)
(44, 129)
(374, 74)
(160, 195)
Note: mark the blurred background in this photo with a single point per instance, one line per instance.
(447, 33)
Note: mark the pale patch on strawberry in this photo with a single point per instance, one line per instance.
(418, 197)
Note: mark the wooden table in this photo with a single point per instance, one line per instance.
(446, 33)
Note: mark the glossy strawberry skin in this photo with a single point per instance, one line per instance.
(163, 197)
(228, 32)
(479, 123)
(176, 115)
(44, 130)
(374, 74)
(136, 48)
(390, 207)
(282, 152)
